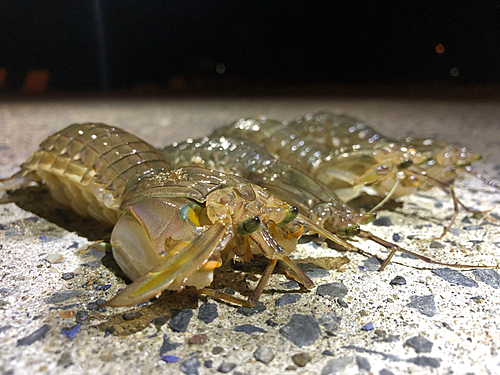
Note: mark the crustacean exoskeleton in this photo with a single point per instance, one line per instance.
(346, 155)
(172, 228)
(313, 198)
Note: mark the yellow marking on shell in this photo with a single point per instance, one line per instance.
(210, 265)
(189, 213)
(177, 248)
(298, 232)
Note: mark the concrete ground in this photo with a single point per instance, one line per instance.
(410, 318)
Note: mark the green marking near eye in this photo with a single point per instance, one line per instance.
(350, 230)
(248, 226)
(290, 216)
(463, 163)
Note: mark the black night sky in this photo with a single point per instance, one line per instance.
(92, 45)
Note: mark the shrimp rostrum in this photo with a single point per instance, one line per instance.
(172, 228)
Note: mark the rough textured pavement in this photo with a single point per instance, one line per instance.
(403, 320)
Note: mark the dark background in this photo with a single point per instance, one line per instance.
(168, 46)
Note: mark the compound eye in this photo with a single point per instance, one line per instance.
(290, 216)
(350, 230)
(248, 226)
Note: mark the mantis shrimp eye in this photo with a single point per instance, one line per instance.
(248, 226)
(290, 216)
(350, 230)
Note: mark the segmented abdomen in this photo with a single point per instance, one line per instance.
(90, 166)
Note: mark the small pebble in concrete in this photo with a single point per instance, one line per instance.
(301, 330)
(301, 359)
(327, 353)
(473, 227)
(454, 277)
(81, 315)
(65, 360)
(74, 245)
(425, 362)
(96, 253)
(367, 327)
(217, 350)
(92, 264)
(313, 271)
(169, 358)
(384, 371)
(248, 329)
(208, 312)
(190, 366)
(131, 315)
(371, 264)
(490, 277)
(420, 344)
(39, 334)
(290, 368)
(229, 291)
(287, 299)
(3, 227)
(466, 220)
(477, 299)
(102, 287)
(336, 365)
(199, 339)
(208, 363)
(342, 303)
(332, 290)
(382, 221)
(159, 321)
(68, 275)
(93, 306)
(61, 296)
(71, 332)
(54, 258)
(363, 363)
(226, 367)
(447, 326)
(249, 311)
(330, 322)
(423, 304)
(380, 333)
(271, 323)
(389, 338)
(264, 354)
(398, 280)
(5, 328)
(436, 245)
(396, 237)
(290, 284)
(180, 322)
(168, 345)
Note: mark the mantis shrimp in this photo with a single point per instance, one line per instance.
(313, 198)
(346, 155)
(172, 227)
